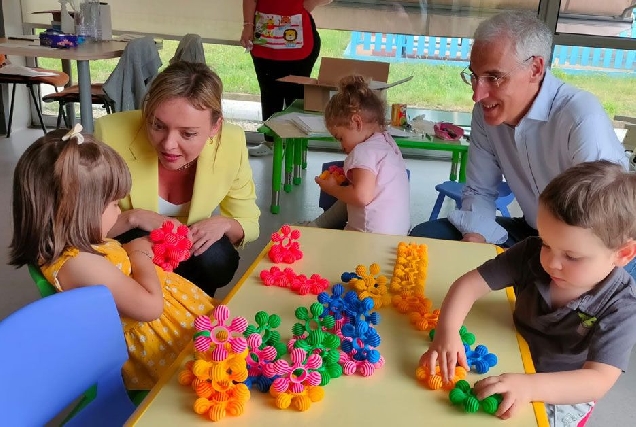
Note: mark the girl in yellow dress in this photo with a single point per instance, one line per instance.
(66, 189)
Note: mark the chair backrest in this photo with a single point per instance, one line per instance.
(139, 64)
(46, 289)
(190, 49)
(57, 347)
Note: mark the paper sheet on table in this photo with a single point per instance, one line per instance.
(20, 70)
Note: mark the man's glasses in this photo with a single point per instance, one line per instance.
(492, 80)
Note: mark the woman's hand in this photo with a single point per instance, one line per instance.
(247, 36)
(515, 389)
(447, 350)
(208, 231)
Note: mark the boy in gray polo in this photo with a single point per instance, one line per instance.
(576, 305)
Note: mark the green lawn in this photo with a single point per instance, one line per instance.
(433, 86)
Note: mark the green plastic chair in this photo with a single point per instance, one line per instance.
(46, 289)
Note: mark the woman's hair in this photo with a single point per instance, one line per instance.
(354, 97)
(599, 196)
(528, 34)
(193, 81)
(60, 191)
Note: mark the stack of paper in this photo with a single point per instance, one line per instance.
(20, 70)
(310, 124)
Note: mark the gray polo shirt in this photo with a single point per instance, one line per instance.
(599, 326)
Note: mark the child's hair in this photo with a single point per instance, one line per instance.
(599, 196)
(355, 97)
(60, 191)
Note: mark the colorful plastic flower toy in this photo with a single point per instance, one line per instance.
(277, 277)
(410, 302)
(298, 383)
(480, 359)
(336, 304)
(371, 286)
(218, 338)
(363, 338)
(467, 337)
(266, 325)
(424, 321)
(326, 346)
(257, 358)
(359, 309)
(311, 319)
(337, 172)
(285, 248)
(410, 270)
(221, 405)
(348, 275)
(463, 395)
(435, 381)
(351, 366)
(170, 247)
(300, 283)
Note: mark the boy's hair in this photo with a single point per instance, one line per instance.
(60, 191)
(599, 196)
(354, 97)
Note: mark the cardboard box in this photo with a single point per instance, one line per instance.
(319, 91)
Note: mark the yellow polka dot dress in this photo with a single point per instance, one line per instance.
(152, 346)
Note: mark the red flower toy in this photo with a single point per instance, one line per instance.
(285, 248)
(170, 247)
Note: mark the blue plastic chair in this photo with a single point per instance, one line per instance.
(325, 200)
(454, 189)
(54, 349)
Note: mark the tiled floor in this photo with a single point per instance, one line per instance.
(17, 289)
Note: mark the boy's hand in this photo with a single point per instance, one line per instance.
(327, 184)
(514, 388)
(447, 350)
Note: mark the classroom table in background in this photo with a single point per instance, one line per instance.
(392, 396)
(82, 54)
(290, 145)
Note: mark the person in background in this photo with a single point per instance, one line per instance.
(527, 126)
(377, 195)
(66, 192)
(282, 38)
(575, 304)
(187, 166)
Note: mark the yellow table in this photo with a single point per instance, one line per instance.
(392, 396)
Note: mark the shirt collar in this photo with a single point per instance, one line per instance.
(542, 105)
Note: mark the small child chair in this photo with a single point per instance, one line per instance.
(57, 347)
(454, 189)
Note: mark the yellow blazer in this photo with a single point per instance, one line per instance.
(223, 178)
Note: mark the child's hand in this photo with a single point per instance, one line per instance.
(447, 350)
(327, 184)
(139, 244)
(514, 388)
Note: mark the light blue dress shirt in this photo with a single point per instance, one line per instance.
(565, 126)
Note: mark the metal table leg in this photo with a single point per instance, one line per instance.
(463, 159)
(454, 164)
(277, 166)
(86, 106)
(298, 160)
(289, 164)
(70, 107)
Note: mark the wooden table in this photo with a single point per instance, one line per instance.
(392, 396)
(82, 54)
(290, 145)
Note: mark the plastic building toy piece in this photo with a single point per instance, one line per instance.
(296, 381)
(359, 309)
(348, 275)
(463, 395)
(410, 270)
(300, 284)
(468, 338)
(337, 172)
(326, 346)
(220, 405)
(170, 247)
(365, 368)
(480, 358)
(217, 338)
(435, 381)
(407, 302)
(258, 356)
(364, 339)
(371, 284)
(424, 321)
(286, 247)
(266, 325)
(311, 319)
